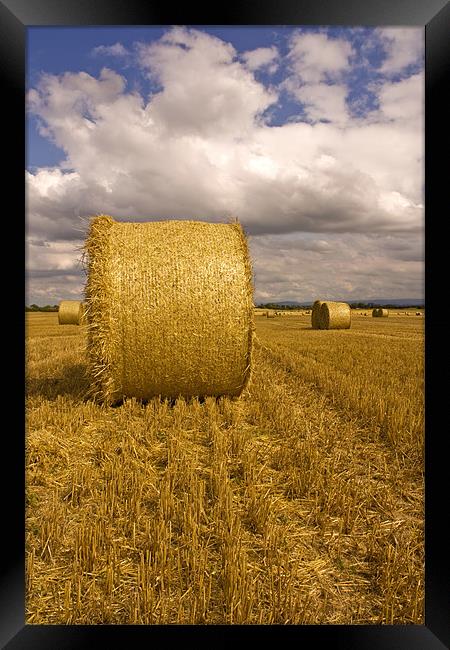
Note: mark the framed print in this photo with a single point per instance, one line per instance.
(233, 407)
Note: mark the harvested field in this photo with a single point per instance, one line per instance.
(301, 502)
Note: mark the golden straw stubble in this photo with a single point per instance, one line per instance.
(170, 308)
(335, 315)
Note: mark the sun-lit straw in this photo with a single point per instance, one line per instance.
(335, 316)
(170, 308)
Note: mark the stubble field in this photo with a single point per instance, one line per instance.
(299, 503)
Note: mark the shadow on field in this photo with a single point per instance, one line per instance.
(71, 381)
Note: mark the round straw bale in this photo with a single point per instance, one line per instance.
(379, 312)
(70, 312)
(270, 313)
(335, 316)
(315, 322)
(170, 309)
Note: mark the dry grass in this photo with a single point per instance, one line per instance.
(299, 503)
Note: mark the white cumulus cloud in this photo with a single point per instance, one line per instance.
(314, 56)
(261, 57)
(117, 50)
(403, 47)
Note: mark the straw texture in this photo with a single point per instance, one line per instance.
(379, 312)
(170, 309)
(83, 314)
(315, 320)
(70, 312)
(270, 313)
(335, 316)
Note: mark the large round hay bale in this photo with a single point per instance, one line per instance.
(315, 321)
(270, 313)
(335, 316)
(378, 312)
(170, 309)
(70, 312)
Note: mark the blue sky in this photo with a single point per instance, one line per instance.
(312, 136)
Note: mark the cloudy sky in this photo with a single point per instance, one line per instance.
(312, 136)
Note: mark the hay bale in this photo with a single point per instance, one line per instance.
(335, 316)
(270, 313)
(170, 309)
(378, 312)
(70, 312)
(315, 321)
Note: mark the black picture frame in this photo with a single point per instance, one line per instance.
(434, 15)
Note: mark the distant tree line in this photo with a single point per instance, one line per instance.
(371, 305)
(274, 305)
(46, 308)
(353, 305)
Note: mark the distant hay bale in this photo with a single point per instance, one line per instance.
(378, 312)
(335, 316)
(70, 312)
(315, 321)
(270, 313)
(170, 309)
